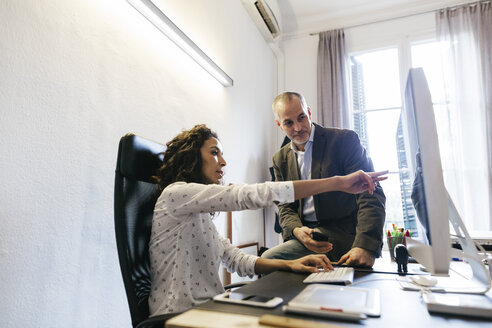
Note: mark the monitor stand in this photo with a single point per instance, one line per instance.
(462, 279)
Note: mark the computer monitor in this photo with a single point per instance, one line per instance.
(424, 170)
(433, 205)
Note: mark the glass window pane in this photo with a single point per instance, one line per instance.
(375, 80)
(426, 55)
(391, 188)
(381, 132)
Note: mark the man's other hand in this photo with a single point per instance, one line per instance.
(358, 257)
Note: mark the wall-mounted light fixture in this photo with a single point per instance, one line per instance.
(166, 26)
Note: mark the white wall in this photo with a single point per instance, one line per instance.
(77, 75)
(301, 55)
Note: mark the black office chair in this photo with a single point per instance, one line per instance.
(134, 200)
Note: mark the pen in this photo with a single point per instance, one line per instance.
(330, 309)
(395, 231)
(325, 312)
(341, 312)
(344, 314)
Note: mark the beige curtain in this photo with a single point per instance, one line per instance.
(465, 34)
(332, 90)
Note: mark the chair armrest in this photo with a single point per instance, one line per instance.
(236, 285)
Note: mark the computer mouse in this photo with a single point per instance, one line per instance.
(425, 281)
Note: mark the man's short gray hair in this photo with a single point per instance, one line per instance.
(285, 97)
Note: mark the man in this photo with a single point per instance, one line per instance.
(351, 224)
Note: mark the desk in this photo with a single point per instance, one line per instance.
(398, 308)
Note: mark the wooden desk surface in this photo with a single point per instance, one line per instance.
(399, 308)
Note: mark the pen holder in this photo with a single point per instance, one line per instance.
(392, 242)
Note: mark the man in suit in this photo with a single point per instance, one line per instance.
(351, 224)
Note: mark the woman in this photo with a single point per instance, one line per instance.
(185, 247)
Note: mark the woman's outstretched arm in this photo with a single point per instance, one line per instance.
(354, 183)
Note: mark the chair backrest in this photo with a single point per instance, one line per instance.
(134, 200)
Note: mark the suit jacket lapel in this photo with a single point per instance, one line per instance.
(293, 170)
(293, 174)
(319, 146)
(318, 151)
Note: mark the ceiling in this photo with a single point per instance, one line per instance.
(299, 17)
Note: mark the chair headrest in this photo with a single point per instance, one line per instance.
(139, 158)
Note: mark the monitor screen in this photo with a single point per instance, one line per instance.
(420, 163)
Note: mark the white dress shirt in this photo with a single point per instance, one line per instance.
(304, 159)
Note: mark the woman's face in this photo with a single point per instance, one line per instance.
(212, 160)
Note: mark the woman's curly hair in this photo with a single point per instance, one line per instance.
(183, 159)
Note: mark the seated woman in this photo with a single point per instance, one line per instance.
(185, 247)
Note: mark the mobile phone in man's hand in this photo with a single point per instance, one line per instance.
(318, 235)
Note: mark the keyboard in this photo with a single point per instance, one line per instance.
(341, 275)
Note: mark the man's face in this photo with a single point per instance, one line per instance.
(294, 121)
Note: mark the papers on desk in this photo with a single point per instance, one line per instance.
(345, 303)
(213, 319)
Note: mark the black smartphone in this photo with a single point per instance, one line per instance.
(318, 235)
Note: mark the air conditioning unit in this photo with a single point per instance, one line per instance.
(263, 16)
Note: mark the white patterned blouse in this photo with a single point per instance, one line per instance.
(185, 247)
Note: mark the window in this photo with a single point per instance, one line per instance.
(376, 85)
(376, 106)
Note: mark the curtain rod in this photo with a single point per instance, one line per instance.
(406, 16)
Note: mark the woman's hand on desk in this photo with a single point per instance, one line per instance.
(309, 263)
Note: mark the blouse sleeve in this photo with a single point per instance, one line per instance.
(237, 261)
(187, 198)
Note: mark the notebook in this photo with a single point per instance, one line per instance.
(343, 302)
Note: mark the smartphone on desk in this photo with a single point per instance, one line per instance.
(251, 300)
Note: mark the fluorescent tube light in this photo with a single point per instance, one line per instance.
(166, 26)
